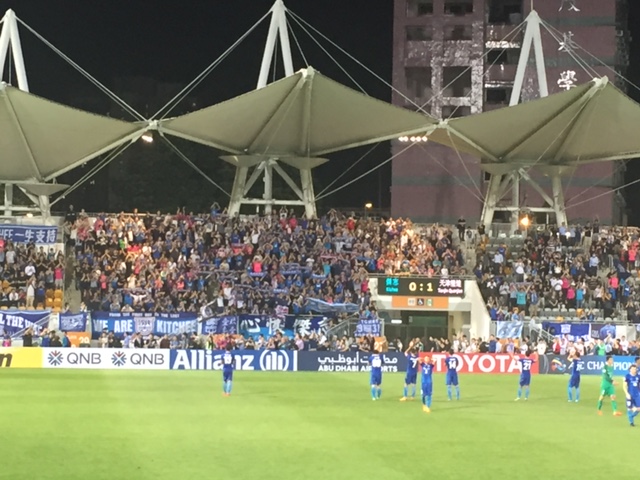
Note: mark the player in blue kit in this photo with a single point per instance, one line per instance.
(427, 384)
(632, 392)
(574, 381)
(452, 363)
(412, 373)
(228, 362)
(376, 362)
(525, 376)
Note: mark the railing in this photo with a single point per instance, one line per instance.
(536, 332)
(347, 327)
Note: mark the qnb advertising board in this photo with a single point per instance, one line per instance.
(245, 360)
(105, 358)
(481, 362)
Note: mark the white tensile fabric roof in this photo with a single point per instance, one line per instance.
(41, 139)
(593, 122)
(303, 115)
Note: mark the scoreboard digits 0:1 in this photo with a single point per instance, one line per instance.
(421, 286)
(428, 286)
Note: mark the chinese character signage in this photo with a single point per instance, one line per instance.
(570, 4)
(567, 80)
(418, 286)
(567, 44)
(38, 234)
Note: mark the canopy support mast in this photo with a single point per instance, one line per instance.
(532, 38)
(267, 165)
(10, 45)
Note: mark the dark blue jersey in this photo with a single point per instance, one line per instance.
(526, 364)
(632, 382)
(427, 373)
(576, 367)
(412, 363)
(227, 361)
(452, 364)
(376, 362)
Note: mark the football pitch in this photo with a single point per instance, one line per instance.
(66, 424)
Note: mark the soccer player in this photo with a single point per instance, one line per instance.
(525, 375)
(632, 392)
(574, 381)
(375, 360)
(452, 374)
(412, 373)
(427, 384)
(606, 387)
(227, 370)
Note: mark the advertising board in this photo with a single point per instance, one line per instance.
(481, 362)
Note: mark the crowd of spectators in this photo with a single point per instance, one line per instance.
(183, 262)
(278, 341)
(29, 274)
(586, 273)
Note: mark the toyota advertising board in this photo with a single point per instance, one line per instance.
(481, 362)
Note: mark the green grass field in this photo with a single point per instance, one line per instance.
(176, 425)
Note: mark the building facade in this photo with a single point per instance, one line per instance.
(459, 57)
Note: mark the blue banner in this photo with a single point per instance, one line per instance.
(509, 329)
(348, 362)
(39, 234)
(144, 323)
(220, 325)
(319, 306)
(265, 325)
(73, 322)
(591, 365)
(603, 330)
(249, 325)
(245, 360)
(16, 322)
(308, 325)
(368, 326)
(573, 330)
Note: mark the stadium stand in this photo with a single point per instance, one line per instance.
(182, 262)
(32, 277)
(580, 273)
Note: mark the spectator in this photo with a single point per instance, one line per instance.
(27, 338)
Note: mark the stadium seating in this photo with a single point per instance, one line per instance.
(549, 254)
(16, 263)
(251, 265)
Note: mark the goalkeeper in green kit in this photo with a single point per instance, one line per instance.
(606, 387)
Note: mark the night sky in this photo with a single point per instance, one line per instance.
(173, 41)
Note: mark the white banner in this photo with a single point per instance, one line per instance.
(105, 358)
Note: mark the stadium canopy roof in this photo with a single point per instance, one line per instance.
(593, 122)
(303, 115)
(41, 139)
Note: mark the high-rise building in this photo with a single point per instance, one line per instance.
(435, 43)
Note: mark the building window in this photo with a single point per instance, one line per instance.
(452, 111)
(419, 8)
(418, 83)
(418, 33)
(507, 12)
(456, 81)
(458, 7)
(497, 96)
(506, 56)
(458, 32)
